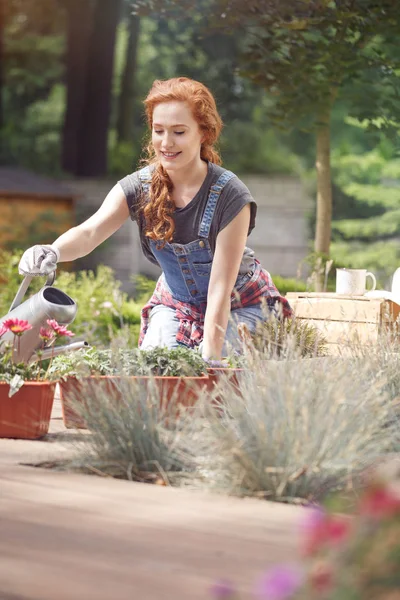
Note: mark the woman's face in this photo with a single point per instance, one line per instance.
(176, 136)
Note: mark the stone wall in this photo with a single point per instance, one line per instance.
(280, 238)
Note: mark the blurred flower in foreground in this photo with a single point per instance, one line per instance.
(223, 590)
(280, 583)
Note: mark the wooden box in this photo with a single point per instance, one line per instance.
(345, 320)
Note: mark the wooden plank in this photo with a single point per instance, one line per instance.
(331, 295)
(338, 309)
(345, 332)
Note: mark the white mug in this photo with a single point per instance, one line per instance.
(353, 282)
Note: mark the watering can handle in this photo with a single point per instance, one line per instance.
(24, 286)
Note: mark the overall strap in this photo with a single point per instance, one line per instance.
(212, 200)
(145, 178)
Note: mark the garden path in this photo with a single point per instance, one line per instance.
(79, 537)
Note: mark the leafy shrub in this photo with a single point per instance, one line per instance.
(288, 284)
(163, 362)
(174, 362)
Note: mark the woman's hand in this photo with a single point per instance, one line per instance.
(39, 261)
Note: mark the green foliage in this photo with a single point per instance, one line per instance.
(288, 284)
(162, 362)
(367, 237)
(103, 309)
(275, 338)
(165, 362)
(134, 435)
(82, 363)
(296, 429)
(381, 257)
(144, 288)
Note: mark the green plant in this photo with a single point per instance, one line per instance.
(14, 372)
(288, 284)
(82, 363)
(134, 434)
(165, 362)
(297, 430)
(278, 338)
(162, 362)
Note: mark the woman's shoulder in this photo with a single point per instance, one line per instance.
(232, 184)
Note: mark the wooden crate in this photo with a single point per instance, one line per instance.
(344, 320)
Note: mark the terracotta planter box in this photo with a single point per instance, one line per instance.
(26, 415)
(233, 375)
(72, 390)
(185, 389)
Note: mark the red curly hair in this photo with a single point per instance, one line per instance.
(158, 210)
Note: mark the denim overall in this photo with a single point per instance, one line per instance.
(187, 269)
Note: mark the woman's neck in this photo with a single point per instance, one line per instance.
(190, 176)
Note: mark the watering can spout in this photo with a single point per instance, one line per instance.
(48, 303)
(57, 350)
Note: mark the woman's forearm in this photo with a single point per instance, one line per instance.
(74, 244)
(215, 325)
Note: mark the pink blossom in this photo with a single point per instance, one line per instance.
(222, 589)
(379, 502)
(321, 577)
(322, 529)
(46, 334)
(59, 330)
(16, 326)
(280, 583)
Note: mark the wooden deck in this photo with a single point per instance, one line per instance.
(79, 537)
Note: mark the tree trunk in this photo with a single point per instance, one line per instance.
(80, 13)
(125, 120)
(97, 108)
(324, 197)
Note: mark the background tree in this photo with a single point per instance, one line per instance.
(126, 100)
(305, 54)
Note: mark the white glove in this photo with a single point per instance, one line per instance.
(39, 261)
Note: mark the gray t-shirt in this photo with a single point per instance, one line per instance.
(234, 196)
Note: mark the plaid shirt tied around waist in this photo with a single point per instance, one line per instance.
(261, 288)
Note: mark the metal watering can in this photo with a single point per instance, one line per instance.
(48, 303)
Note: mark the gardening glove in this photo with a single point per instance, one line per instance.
(39, 261)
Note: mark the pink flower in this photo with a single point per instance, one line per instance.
(280, 583)
(379, 502)
(16, 326)
(321, 577)
(322, 529)
(222, 590)
(46, 334)
(59, 330)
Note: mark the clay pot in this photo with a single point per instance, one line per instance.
(183, 390)
(26, 415)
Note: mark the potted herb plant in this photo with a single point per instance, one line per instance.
(80, 371)
(26, 390)
(177, 373)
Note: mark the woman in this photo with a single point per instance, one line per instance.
(194, 218)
